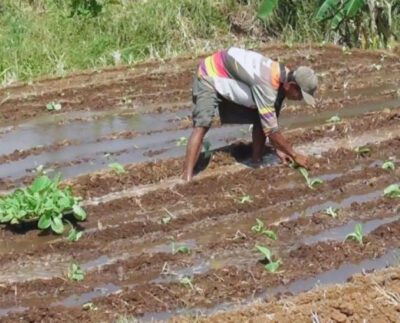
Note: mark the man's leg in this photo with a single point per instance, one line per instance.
(193, 150)
(258, 142)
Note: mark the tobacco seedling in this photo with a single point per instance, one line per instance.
(180, 249)
(182, 141)
(245, 199)
(117, 167)
(187, 282)
(311, 182)
(392, 191)
(74, 235)
(357, 235)
(388, 165)
(362, 151)
(332, 211)
(334, 119)
(75, 272)
(259, 227)
(53, 106)
(272, 266)
(166, 220)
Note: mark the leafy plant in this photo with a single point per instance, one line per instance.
(117, 167)
(259, 227)
(388, 165)
(362, 151)
(266, 8)
(75, 272)
(272, 266)
(392, 190)
(334, 119)
(207, 149)
(245, 199)
(42, 201)
(311, 182)
(180, 249)
(187, 282)
(53, 106)
(332, 211)
(182, 141)
(357, 235)
(74, 235)
(89, 307)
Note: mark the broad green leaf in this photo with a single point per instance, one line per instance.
(40, 184)
(327, 8)
(315, 182)
(117, 167)
(180, 249)
(303, 172)
(266, 8)
(388, 165)
(76, 273)
(79, 212)
(258, 227)
(270, 234)
(74, 235)
(44, 222)
(273, 266)
(392, 190)
(265, 252)
(353, 7)
(56, 225)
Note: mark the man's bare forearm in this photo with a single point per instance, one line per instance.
(280, 142)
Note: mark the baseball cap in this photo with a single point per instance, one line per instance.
(308, 82)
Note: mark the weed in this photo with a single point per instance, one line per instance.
(362, 151)
(187, 282)
(117, 167)
(392, 190)
(53, 106)
(388, 165)
(311, 182)
(332, 211)
(44, 201)
(334, 119)
(357, 235)
(75, 272)
(272, 266)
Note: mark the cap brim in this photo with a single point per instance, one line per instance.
(308, 98)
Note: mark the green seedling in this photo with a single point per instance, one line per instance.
(180, 249)
(117, 167)
(332, 212)
(89, 307)
(43, 201)
(182, 141)
(207, 149)
(74, 235)
(259, 227)
(75, 272)
(392, 191)
(362, 151)
(388, 165)
(311, 182)
(334, 119)
(187, 282)
(53, 106)
(245, 199)
(166, 220)
(357, 235)
(272, 266)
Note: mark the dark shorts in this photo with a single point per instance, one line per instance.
(205, 102)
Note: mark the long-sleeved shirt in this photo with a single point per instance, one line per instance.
(248, 79)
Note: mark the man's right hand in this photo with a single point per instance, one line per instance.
(302, 160)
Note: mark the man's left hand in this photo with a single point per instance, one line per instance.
(285, 159)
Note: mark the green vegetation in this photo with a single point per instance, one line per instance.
(43, 201)
(334, 119)
(182, 141)
(180, 249)
(75, 272)
(332, 212)
(388, 165)
(74, 235)
(357, 235)
(362, 151)
(118, 168)
(187, 282)
(272, 266)
(53, 106)
(392, 191)
(245, 199)
(259, 227)
(311, 182)
(54, 37)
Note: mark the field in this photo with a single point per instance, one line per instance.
(157, 248)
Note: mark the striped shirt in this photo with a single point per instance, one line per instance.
(246, 78)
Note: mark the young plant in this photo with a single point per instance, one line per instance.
(53, 106)
(334, 119)
(392, 191)
(180, 249)
(206, 149)
(74, 235)
(272, 266)
(187, 282)
(332, 212)
(362, 151)
(357, 235)
(245, 199)
(117, 167)
(75, 272)
(42, 201)
(311, 182)
(259, 227)
(388, 165)
(182, 141)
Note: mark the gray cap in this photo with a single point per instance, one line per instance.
(308, 82)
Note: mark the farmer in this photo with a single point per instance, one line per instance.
(247, 88)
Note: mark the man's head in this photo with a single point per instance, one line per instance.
(301, 84)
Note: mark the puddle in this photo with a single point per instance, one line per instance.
(340, 233)
(79, 300)
(168, 247)
(11, 310)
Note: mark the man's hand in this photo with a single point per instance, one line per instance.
(301, 160)
(285, 158)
